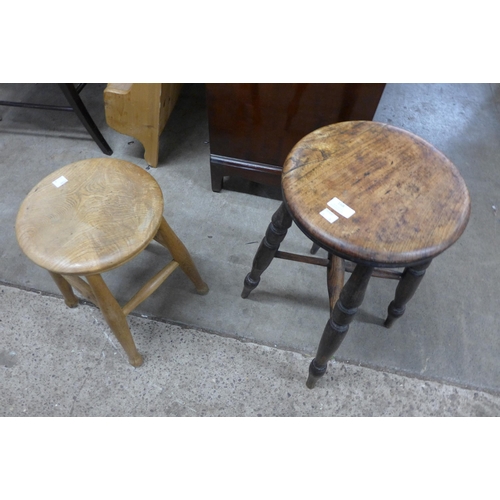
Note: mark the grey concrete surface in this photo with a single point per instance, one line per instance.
(449, 333)
(59, 362)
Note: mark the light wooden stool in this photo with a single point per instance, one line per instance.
(93, 216)
(375, 197)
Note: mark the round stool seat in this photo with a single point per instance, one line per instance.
(90, 216)
(409, 201)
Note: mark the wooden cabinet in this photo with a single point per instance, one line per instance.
(141, 110)
(253, 126)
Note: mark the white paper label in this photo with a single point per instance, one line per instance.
(328, 215)
(60, 181)
(341, 208)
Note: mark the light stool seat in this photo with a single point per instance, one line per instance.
(91, 217)
(376, 198)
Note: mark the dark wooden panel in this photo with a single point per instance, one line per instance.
(253, 126)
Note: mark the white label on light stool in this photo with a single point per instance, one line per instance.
(328, 215)
(60, 181)
(341, 208)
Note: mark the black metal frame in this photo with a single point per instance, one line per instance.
(72, 95)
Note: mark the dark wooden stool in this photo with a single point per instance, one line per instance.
(375, 197)
(93, 216)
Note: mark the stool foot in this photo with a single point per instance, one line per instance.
(315, 373)
(275, 234)
(114, 316)
(203, 290)
(136, 361)
(65, 288)
(248, 285)
(351, 297)
(411, 278)
(314, 249)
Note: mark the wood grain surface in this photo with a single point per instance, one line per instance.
(253, 126)
(103, 216)
(410, 201)
(141, 110)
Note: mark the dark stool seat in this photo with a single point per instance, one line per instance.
(375, 197)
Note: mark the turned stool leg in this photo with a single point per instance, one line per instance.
(335, 279)
(411, 278)
(275, 234)
(69, 297)
(337, 326)
(314, 248)
(115, 318)
(180, 254)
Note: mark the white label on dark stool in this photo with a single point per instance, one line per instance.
(60, 181)
(341, 208)
(328, 215)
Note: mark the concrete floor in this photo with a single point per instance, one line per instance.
(221, 355)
